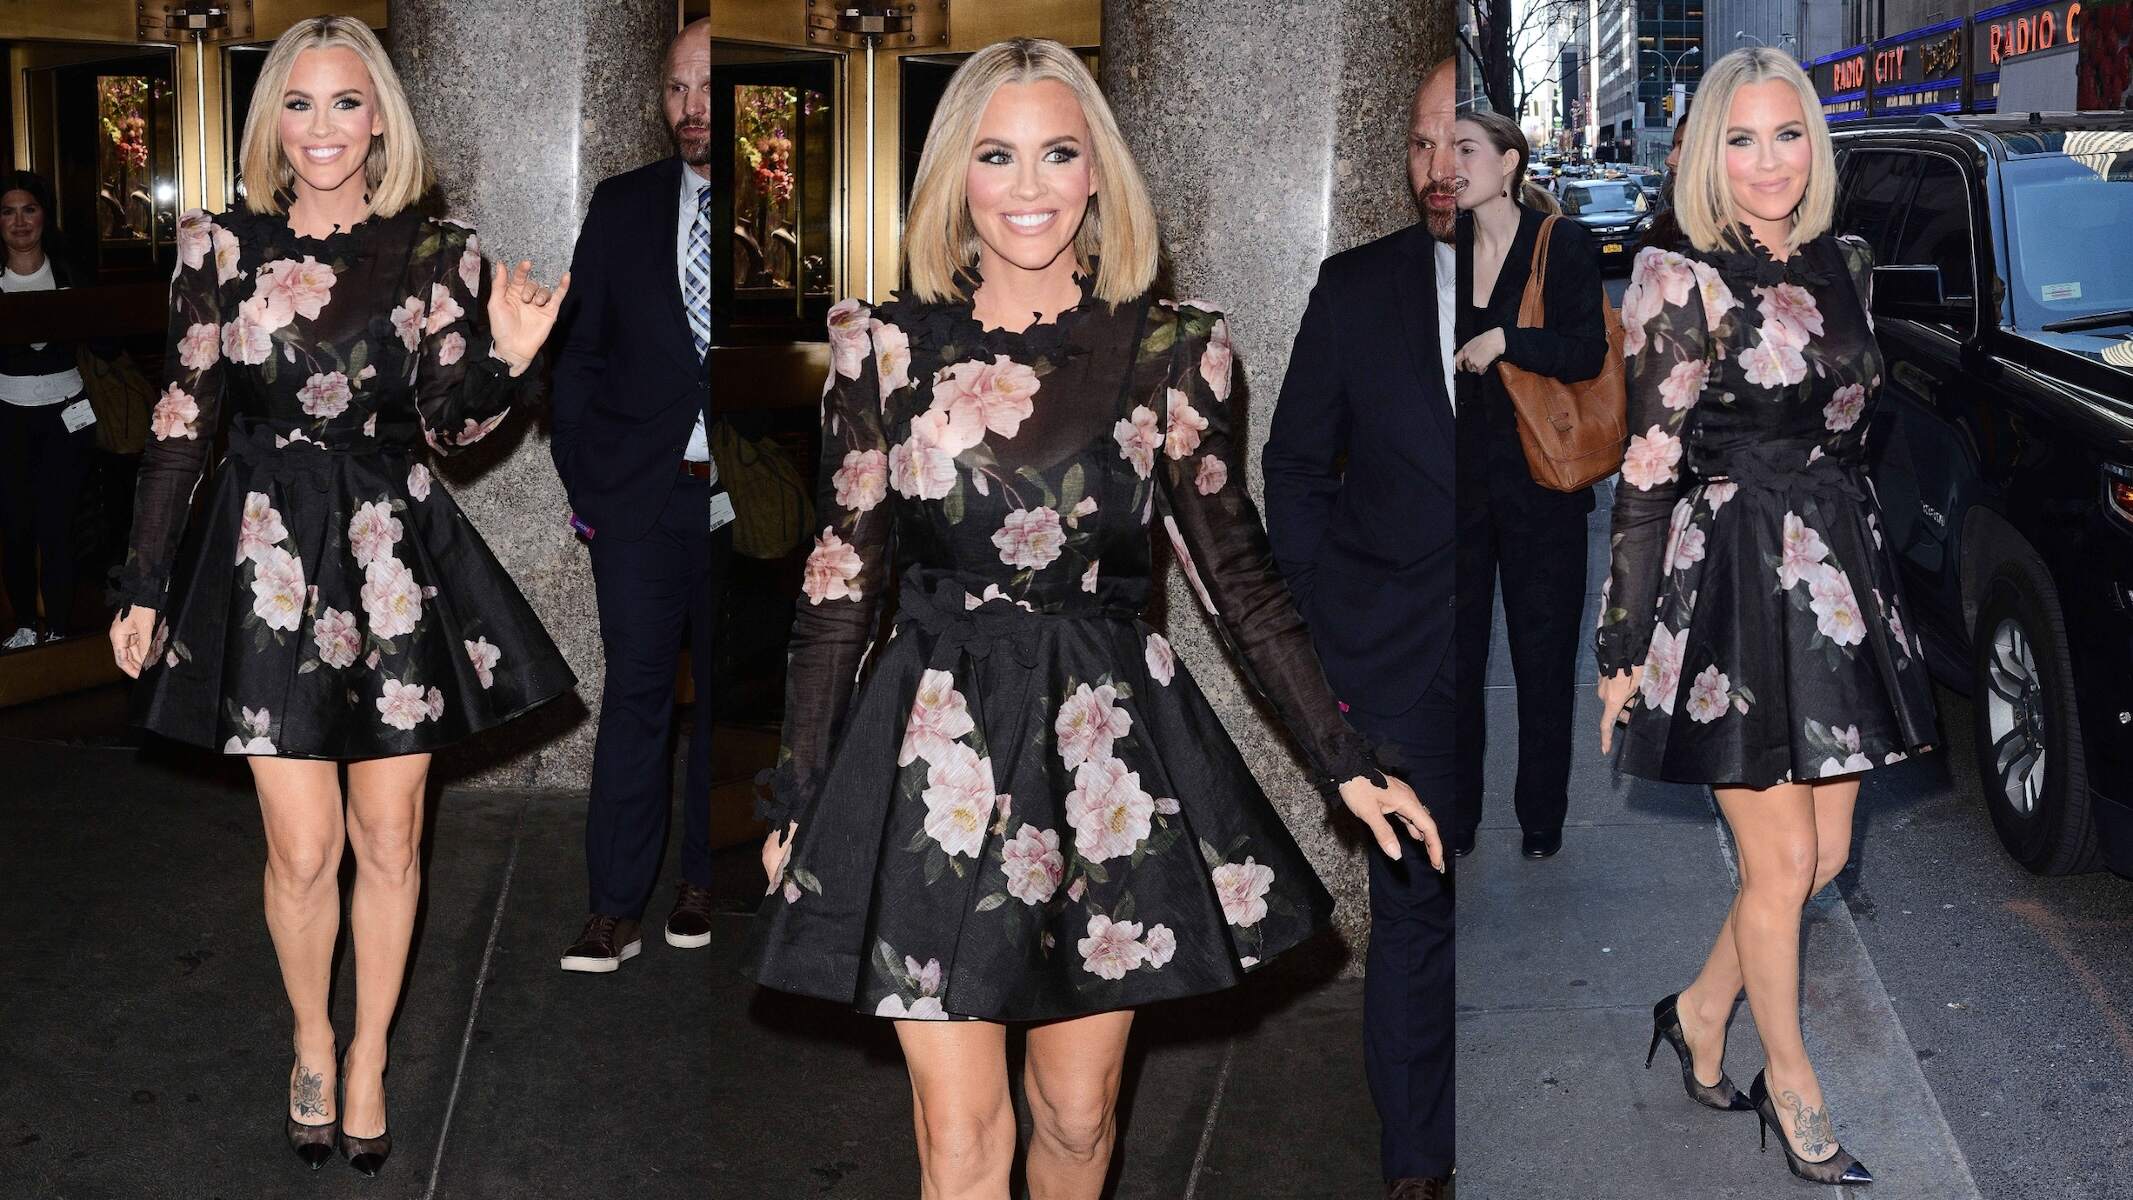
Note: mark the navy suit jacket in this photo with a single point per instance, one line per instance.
(1368, 550)
(628, 382)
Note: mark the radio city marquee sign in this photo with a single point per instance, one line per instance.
(2048, 28)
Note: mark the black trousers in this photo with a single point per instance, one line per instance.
(1408, 1044)
(1538, 551)
(651, 592)
(41, 471)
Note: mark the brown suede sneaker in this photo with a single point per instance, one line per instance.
(689, 925)
(606, 944)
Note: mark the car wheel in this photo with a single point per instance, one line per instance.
(2027, 733)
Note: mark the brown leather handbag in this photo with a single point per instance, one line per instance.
(1573, 433)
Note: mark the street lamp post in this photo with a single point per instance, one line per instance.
(1673, 66)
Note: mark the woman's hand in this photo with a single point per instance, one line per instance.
(775, 850)
(1374, 806)
(522, 311)
(1476, 355)
(131, 632)
(1615, 692)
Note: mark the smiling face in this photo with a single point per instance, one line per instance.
(1432, 169)
(21, 221)
(1767, 153)
(1484, 172)
(687, 96)
(329, 114)
(1030, 175)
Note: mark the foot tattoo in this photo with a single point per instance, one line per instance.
(1817, 1134)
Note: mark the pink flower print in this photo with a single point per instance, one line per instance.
(248, 339)
(392, 602)
(1683, 385)
(996, 397)
(1088, 578)
(1242, 889)
(226, 251)
(1030, 539)
(1651, 459)
(1803, 552)
(863, 481)
(992, 592)
(418, 482)
(1709, 696)
(1790, 316)
(1112, 947)
(470, 267)
(939, 715)
(1688, 548)
(1162, 945)
(1662, 668)
(195, 239)
(403, 705)
(848, 323)
(1773, 364)
(260, 530)
(407, 322)
(484, 655)
(1836, 608)
(1718, 299)
(372, 532)
(435, 702)
(443, 309)
(1162, 661)
(258, 721)
(1216, 361)
(1212, 475)
(1083, 508)
(372, 659)
(1137, 439)
(1844, 409)
(1185, 564)
(1633, 339)
(1658, 278)
(959, 800)
(370, 423)
(201, 347)
(892, 357)
(925, 1008)
(257, 745)
(920, 470)
(1720, 492)
(334, 633)
(1088, 722)
(294, 289)
(451, 348)
(473, 431)
(1846, 737)
(1077, 889)
(176, 415)
(278, 589)
(832, 570)
(1108, 810)
(324, 396)
(1033, 864)
(1186, 425)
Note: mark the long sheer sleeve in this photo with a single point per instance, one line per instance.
(846, 570)
(187, 415)
(462, 389)
(1665, 344)
(1222, 547)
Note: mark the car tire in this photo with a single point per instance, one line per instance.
(2026, 729)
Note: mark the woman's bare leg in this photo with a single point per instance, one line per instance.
(1071, 1076)
(300, 805)
(385, 798)
(960, 1108)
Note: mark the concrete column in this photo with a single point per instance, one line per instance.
(1272, 134)
(525, 106)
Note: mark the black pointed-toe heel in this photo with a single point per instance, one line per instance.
(1666, 1026)
(1839, 1168)
(312, 1143)
(367, 1155)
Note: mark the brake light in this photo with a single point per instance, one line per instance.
(2118, 491)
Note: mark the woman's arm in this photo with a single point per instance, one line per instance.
(1222, 547)
(465, 380)
(1572, 346)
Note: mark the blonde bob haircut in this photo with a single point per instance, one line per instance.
(1118, 235)
(1703, 199)
(396, 169)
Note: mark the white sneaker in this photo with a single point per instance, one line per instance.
(20, 639)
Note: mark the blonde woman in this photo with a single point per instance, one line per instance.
(1752, 627)
(334, 606)
(1028, 813)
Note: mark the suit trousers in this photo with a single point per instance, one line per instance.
(1539, 553)
(651, 592)
(1408, 1045)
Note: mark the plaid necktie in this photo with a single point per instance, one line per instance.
(696, 292)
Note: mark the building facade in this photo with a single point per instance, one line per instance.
(2022, 56)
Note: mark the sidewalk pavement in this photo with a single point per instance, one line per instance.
(1561, 960)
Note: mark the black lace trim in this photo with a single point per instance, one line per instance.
(1745, 257)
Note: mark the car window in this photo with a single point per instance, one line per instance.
(2070, 219)
(1874, 189)
(1936, 229)
(1600, 197)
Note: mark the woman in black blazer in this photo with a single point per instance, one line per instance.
(1509, 525)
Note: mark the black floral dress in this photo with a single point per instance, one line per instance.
(1028, 811)
(331, 601)
(1749, 575)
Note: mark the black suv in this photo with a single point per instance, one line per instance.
(2003, 452)
(1609, 209)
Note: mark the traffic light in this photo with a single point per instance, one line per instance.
(1670, 104)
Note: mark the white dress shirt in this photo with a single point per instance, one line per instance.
(1447, 309)
(699, 442)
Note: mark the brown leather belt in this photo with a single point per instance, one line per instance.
(696, 470)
